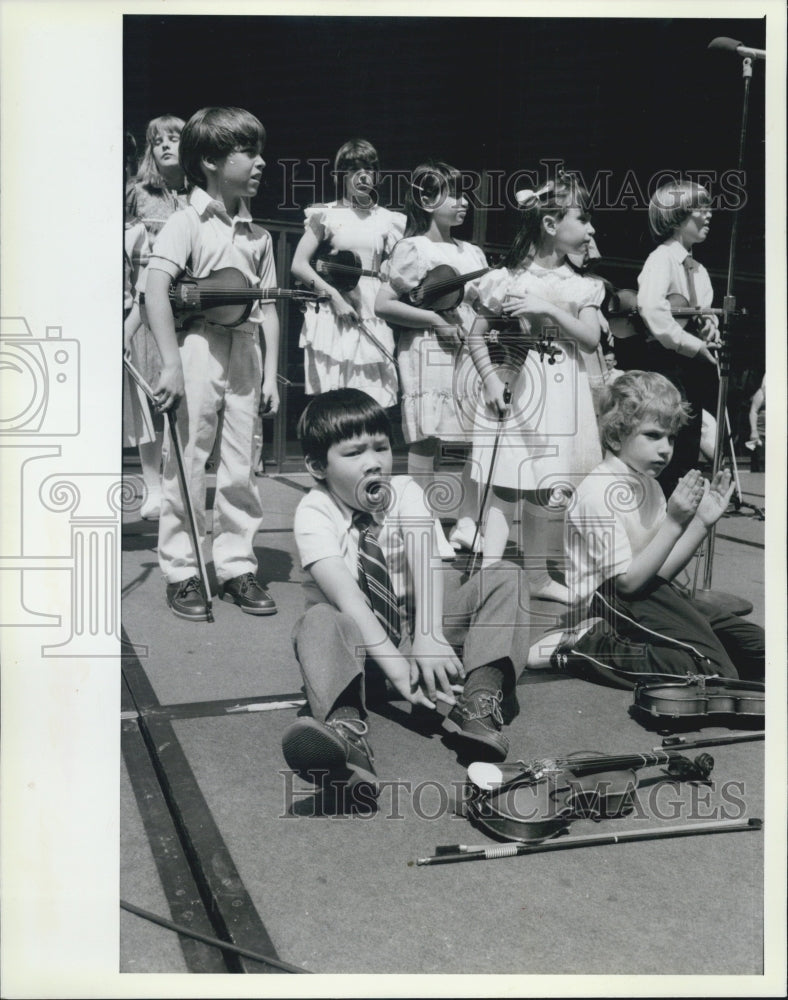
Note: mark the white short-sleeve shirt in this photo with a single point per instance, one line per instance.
(614, 515)
(204, 238)
(323, 527)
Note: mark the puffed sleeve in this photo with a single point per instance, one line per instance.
(593, 293)
(395, 230)
(492, 289)
(315, 221)
(404, 268)
(472, 288)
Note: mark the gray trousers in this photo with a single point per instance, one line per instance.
(487, 616)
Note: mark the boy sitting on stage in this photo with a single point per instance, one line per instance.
(376, 590)
(624, 545)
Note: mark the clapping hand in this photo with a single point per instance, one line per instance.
(684, 499)
(715, 499)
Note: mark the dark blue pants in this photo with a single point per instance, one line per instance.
(660, 631)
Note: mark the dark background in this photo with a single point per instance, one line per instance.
(499, 93)
(632, 97)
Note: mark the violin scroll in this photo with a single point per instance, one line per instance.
(683, 769)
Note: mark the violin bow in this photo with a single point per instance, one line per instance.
(463, 852)
(383, 350)
(709, 741)
(507, 398)
(186, 496)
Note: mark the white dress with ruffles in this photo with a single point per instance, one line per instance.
(439, 384)
(550, 439)
(340, 357)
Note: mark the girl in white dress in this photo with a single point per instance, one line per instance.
(549, 438)
(338, 353)
(437, 402)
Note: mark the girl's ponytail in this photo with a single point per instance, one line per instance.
(555, 198)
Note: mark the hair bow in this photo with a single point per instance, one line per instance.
(528, 198)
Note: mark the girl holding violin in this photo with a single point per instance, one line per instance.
(428, 297)
(548, 433)
(679, 214)
(344, 243)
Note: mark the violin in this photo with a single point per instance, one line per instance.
(509, 341)
(224, 297)
(442, 288)
(532, 802)
(697, 696)
(625, 320)
(341, 268)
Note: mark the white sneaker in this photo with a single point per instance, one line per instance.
(151, 506)
(461, 536)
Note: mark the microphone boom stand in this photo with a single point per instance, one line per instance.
(716, 599)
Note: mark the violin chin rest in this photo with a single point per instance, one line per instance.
(485, 775)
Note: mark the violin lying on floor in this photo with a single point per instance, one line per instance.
(531, 802)
(697, 697)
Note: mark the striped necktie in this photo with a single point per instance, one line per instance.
(374, 579)
(690, 265)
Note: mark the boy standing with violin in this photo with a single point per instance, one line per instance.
(624, 544)
(211, 369)
(679, 214)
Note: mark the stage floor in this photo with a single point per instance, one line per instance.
(216, 833)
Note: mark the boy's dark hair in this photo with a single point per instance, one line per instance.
(634, 398)
(215, 132)
(338, 415)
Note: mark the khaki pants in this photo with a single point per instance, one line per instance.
(222, 370)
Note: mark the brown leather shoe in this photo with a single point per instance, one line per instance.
(185, 599)
(247, 593)
(477, 717)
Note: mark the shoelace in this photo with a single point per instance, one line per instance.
(246, 581)
(353, 730)
(188, 585)
(487, 704)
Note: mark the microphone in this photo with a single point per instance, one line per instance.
(731, 45)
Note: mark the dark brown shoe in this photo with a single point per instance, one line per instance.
(185, 599)
(247, 593)
(477, 718)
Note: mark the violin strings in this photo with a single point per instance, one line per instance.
(458, 281)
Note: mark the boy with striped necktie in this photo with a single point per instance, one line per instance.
(377, 590)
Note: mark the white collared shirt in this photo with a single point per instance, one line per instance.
(204, 238)
(323, 527)
(614, 515)
(663, 274)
